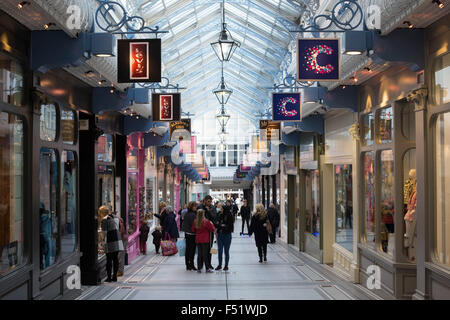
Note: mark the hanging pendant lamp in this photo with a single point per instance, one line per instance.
(225, 46)
(223, 118)
(222, 93)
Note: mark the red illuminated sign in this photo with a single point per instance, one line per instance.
(139, 61)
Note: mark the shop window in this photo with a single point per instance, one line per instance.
(105, 179)
(442, 79)
(410, 204)
(11, 195)
(132, 160)
(222, 159)
(387, 201)
(132, 202)
(105, 148)
(68, 126)
(409, 122)
(344, 206)
(313, 203)
(385, 130)
(368, 129)
(48, 122)
(68, 203)
(11, 82)
(48, 218)
(441, 221)
(369, 198)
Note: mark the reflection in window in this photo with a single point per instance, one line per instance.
(68, 126)
(105, 178)
(313, 203)
(132, 202)
(387, 201)
(369, 198)
(368, 129)
(11, 82)
(344, 206)
(442, 79)
(48, 219)
(11, 195)
(48, 122)
(68, 203)
(410, 204)
(442, 212)
(386, 126)
(409, 122)
(105, 148)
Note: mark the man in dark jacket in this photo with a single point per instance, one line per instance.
(274, 219)
(186, 227)
(211, 215)
(245, 215)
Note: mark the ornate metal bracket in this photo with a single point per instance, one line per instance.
(419, 98)
(162, 86)
(346, 15)
(110, 11)
(291, 83)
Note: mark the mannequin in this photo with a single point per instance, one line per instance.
(410, 216)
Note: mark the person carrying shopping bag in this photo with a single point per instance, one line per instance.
(202, 228)
(225, 228)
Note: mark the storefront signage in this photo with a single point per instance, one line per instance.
(189, 146)
(180, 129)
(139, 60)
(269, 130)
(318, 60)
(286, 107)
(259, 145)
(166, 107)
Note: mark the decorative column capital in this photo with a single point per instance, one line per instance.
(419, 97)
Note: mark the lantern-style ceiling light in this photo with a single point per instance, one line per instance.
(222, 92)
(225, 46)
(223, 118)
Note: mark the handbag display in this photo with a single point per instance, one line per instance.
(168, 247)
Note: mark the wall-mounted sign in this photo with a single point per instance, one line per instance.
(269, 130)
(286, 107)
(139, 60)
(166, 107)
(189, 146)
(318, 60)
(180, 130)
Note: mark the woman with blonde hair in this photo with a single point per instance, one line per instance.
(202, 228)
(259, 225)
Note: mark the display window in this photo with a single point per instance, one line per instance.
(68, 132)
(105, 179)
(369, 199)
(297, 212)
(48, 218)
(48, 122)
(410, 204)
(313, 203)
(12, 192)
(105, 148)
(132, 202)
(441, 217)
(387, 202)
(12, 89)
(385, 127)
(368, 130)
(442, 79)
(68, 202)
(409, 122)
(344, 206)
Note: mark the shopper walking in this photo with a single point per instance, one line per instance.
(124, 237)
(274, 218)
(111, 230)
(162, 213)
(224, 228)
(189, 235)
(211, 215)
(157, 236)
(245, 215)
(202, 228)
(143, 236)
(258, 226)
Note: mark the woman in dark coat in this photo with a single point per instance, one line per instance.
(224, 228)
(170, 225)
(258, 227)
(186, 227)
(274, 218)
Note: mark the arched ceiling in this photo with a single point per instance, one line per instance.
(261, 26)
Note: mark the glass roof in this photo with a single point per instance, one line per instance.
(261, 26)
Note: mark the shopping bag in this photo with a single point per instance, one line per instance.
(181, 246)
(213, 249)
(168, 247)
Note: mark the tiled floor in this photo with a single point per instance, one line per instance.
(287, 275)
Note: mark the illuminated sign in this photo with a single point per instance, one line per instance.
(286, 107)
(166, 107)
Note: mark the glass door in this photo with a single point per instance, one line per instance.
(312, 202)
